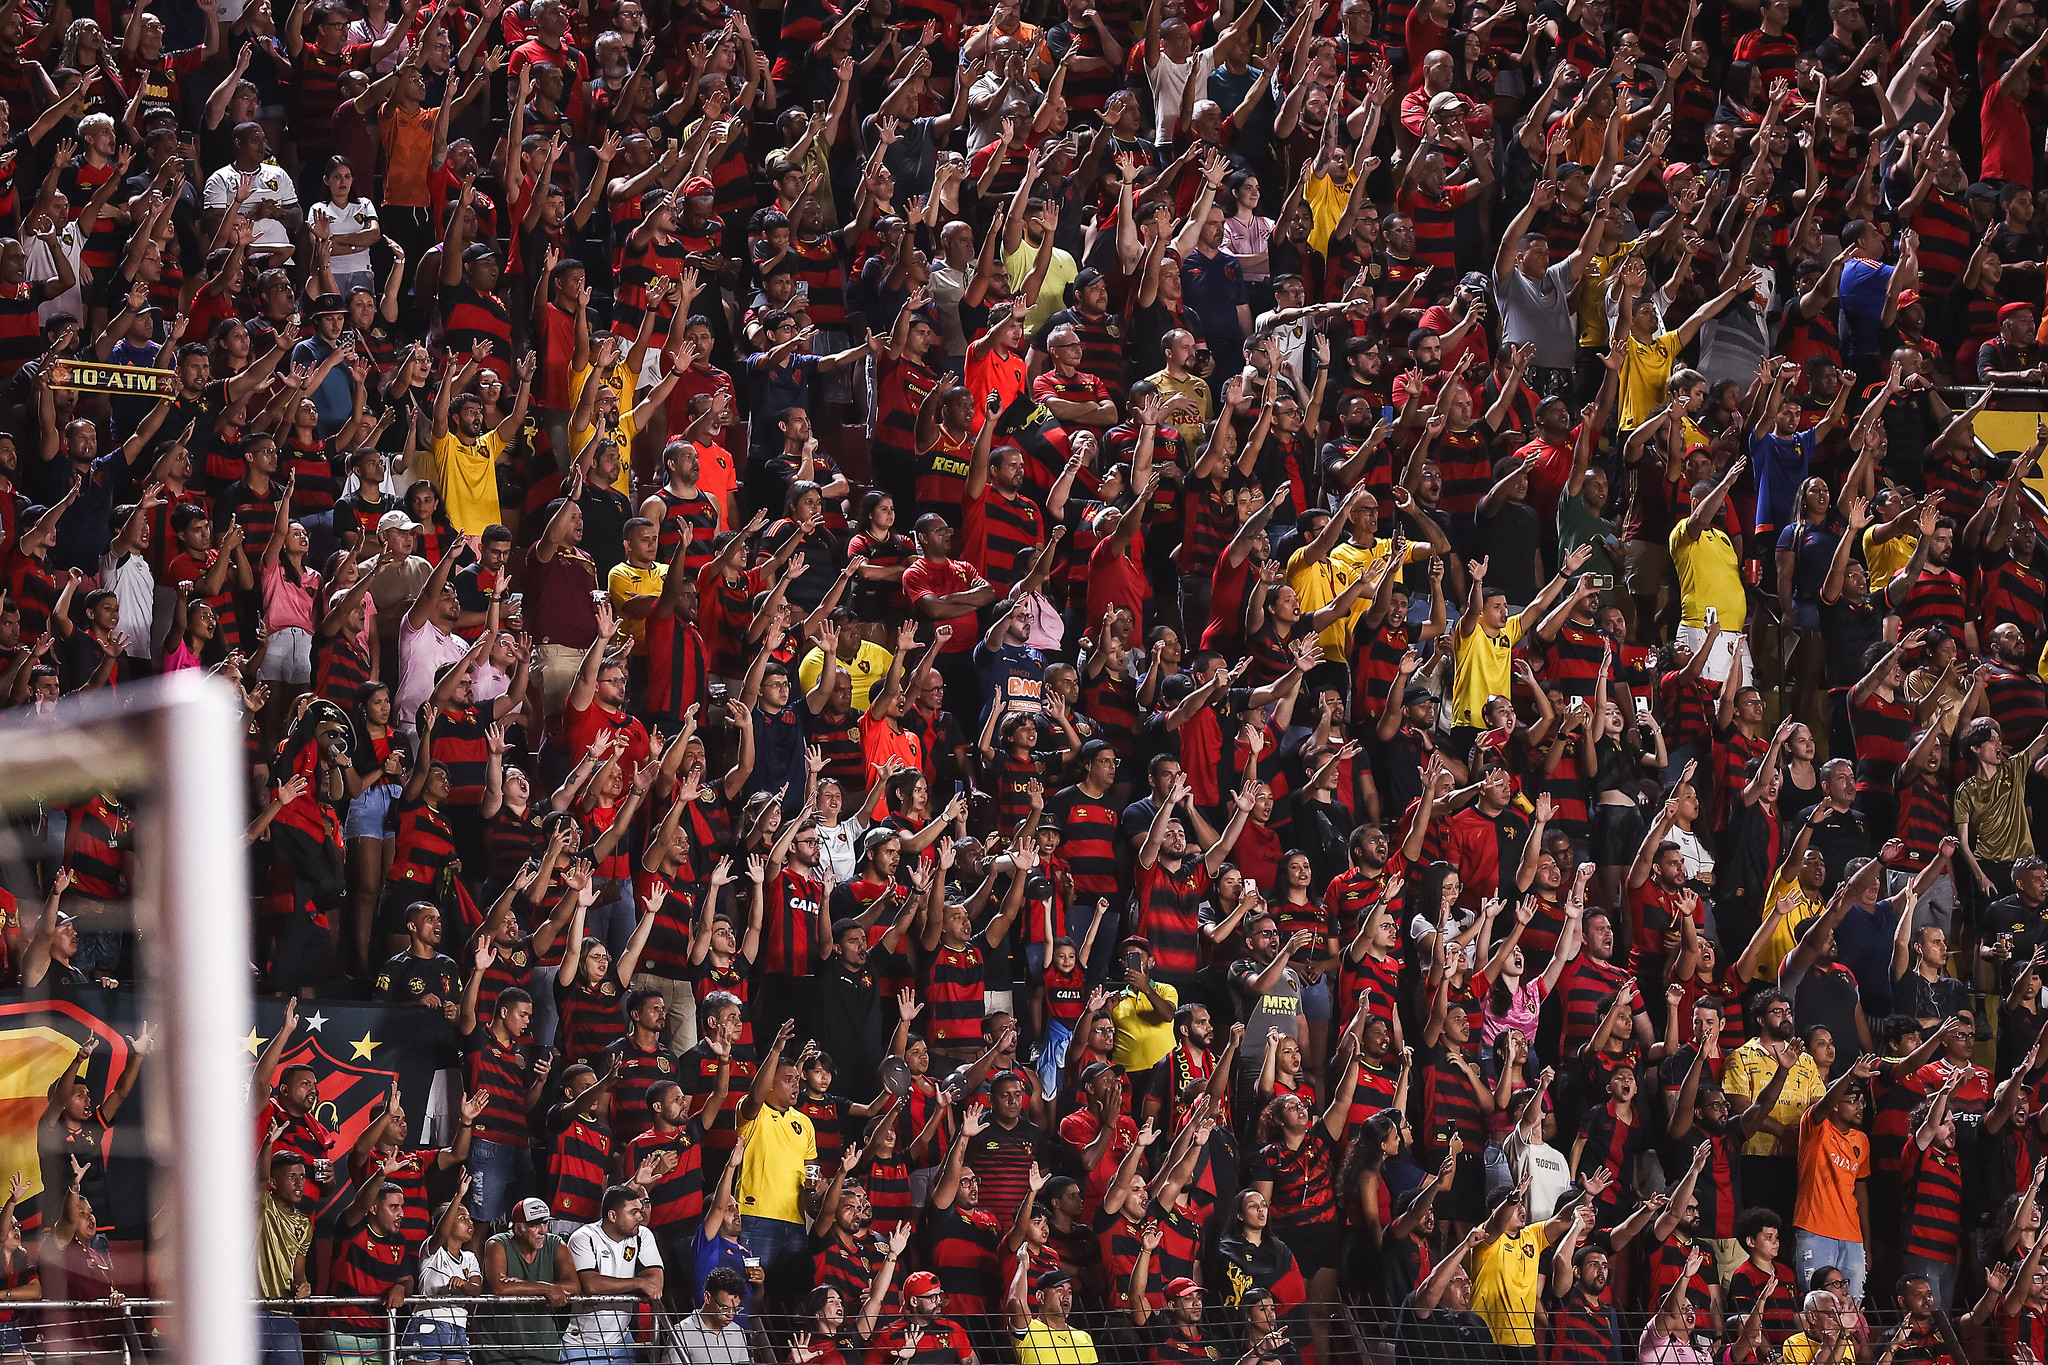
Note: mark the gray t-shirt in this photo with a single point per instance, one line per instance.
(1278, 1008)
(1540, 311)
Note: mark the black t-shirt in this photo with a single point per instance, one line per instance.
(406, 977)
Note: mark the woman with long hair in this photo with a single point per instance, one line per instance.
(1805, 549)
(1371, 1182)
(1294, 1172)
(373, 782)
(1799, 773)
(1245, 231)
(1250, 1255)
(876, 597)
(19, 1276)
(423, 505)
(1510, 1002)
(290, 591)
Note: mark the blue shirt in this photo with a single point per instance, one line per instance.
(1864, 284)
(998, 667)
(1213, 286)
(1863, 944)
(779, 751)
(1813, 550)
(1781, 464)
(781, 388)
(335, 399)
(713, 1252)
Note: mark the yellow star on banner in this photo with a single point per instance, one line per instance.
(253, 1044)
(363, 1047)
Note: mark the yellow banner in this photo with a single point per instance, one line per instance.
(98, 378)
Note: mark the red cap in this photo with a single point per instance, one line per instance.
(919, 1284)
(2010, 309)
(1677, 170)
(1908, 297)
(1183, 1285)
(699, 187)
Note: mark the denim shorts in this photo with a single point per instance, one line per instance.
(10, 1339)
(366, 814)
(1315, 999)
(432, 1339)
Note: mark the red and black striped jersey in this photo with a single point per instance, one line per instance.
(677, 1197)
(2014, 592)
(888, 1187)
(788, 942)
(953, 989)
(1611, 1139)
(829, 1126)
(593, 1017)
(852, 1265)
(1587, 984)
(1001, 533)
(1934, 1202)
(1167, 914)
(1749, 1287)
(411, 1176)
(940, 1342)
(1304, 1195)
(699, 512)
(470, 315)
(1935, 598)
(638, 1069)
(1947, 235)
(698, 1075)
(95, 838)
(499, 1074)
(1883, 728)
(1667, 1263)
(1436, 224)
(1926, 814)
(963, 1246)
(1450, 1104)
(579, 1168)
(1461, 457)
(365, 1266)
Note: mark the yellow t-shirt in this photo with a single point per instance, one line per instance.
(1486, 668)
(1321, 583)
(779, 1143)
(1505, 1289)
(624, 383)
(625, 583)
(1832, 1159)
(1748, 1074)
(1142, 1037)
(1801, 1349)
(469, 480)
(1326, 200)
(1779, 945)
(1708, 576)
(1041, 1345)
(1197, 389)
(867, 670)
(1592, 296)
(1887, 559)
(1052, 294)
(1645, 371)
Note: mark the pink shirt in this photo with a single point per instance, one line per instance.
(287, 603)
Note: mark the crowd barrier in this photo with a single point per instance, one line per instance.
(1357, 1334)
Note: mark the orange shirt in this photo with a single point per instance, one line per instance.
(717, 477)
(880, 742)
(408, 156)
(990, 373)
(1831, 1160)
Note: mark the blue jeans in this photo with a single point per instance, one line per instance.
(1940, 1276)
(278, 1341)
(500, 1176)
(612, 923)
(598, 1355)
(1816, 1253)
(782, 1247)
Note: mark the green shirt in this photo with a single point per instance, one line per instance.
(1576, 526)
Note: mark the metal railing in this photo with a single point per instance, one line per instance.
(1368, 1333)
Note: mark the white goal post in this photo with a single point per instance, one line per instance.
(177, 743)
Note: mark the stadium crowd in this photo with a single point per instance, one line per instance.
(972, 730)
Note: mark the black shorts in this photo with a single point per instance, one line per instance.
(301, 955)
(1617, 835)
(1316, 1246)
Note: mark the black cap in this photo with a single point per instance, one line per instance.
(1093, 1070)
(478, 251)
(328, 305)
(1094, 747)
(1053, 1279)
(1415, 694)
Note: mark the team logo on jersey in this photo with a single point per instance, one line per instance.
(629, 1252)
(796, 1125)
(518, 959)
(661, 1064)
(608, 988)
(416, 986)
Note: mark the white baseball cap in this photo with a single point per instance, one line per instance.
(532, 1211)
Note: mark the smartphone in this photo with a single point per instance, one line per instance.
(1642, 708)
(1600, 582)
(959, 789)
(1713, 616)
(1133, 960)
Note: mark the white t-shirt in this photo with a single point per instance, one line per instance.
(840, 846)
(1697, 859)
(435, 1273)
(42, 268)
(274, 193)
(1169, 82)
(358, 216)
(1550, 1175)
(135, 588)
(591, 1249)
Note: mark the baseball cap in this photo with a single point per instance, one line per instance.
(1908, 297)
(923, 1282)
(1053, 1279)
(1137, 941)
(1180, 1285)
(328, 305)
(1415, 694)
(1094, 747)
(2012, 308)
(1090, 1072)
(478, 251)
(699, 187)
(531, 1211)
(395, 520)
